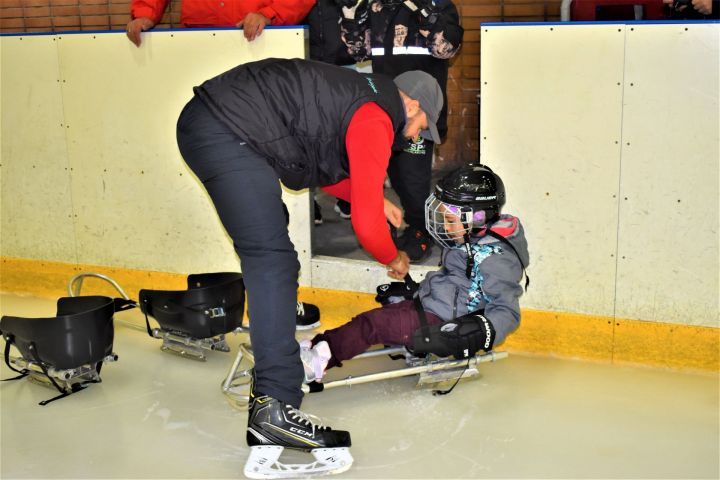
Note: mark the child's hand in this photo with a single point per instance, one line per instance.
(399, 267)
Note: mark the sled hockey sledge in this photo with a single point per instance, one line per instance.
(193, 321)
(196, 320)
(65, 352)
(432, 371)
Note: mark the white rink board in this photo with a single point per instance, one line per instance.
(577, 118)
(668, 237)
(550, 120)
(135, 203)
(36, 204)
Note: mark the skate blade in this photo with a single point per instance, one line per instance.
(263, 463)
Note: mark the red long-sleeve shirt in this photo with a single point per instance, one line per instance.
(368, 141)
(225, 13)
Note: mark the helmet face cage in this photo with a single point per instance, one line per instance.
(449, 224)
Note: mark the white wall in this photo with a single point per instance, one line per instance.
(91, 173)
(607, 138)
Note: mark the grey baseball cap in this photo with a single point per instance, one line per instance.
(422, 87)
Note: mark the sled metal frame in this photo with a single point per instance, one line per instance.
(189, 347)
(173, 342)
(75, 285)
(64, 378)
(431, 369)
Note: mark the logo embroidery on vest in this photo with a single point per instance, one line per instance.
(416, 148)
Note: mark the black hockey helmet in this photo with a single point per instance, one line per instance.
(472, 194)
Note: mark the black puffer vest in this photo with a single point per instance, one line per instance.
(296, 113)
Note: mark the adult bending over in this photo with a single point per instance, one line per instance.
(308, 124)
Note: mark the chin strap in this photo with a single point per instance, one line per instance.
(470, 257)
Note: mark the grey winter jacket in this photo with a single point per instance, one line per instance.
(494, 285)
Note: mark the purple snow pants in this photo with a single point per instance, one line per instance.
(392, 324)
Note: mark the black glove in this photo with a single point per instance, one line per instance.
(461, 338)
(395, 292)
(473, 333)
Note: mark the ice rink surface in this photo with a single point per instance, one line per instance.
(157, 415)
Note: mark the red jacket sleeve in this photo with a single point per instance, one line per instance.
(287, 12)
(152, 9)
(207, 13)
(339, 190)
(368, 141)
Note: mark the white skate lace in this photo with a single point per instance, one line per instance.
(306, 418)
(300, 308)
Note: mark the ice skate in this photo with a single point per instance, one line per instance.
(274, 425)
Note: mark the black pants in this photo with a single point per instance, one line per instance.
(410, 173)
(247, 196)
